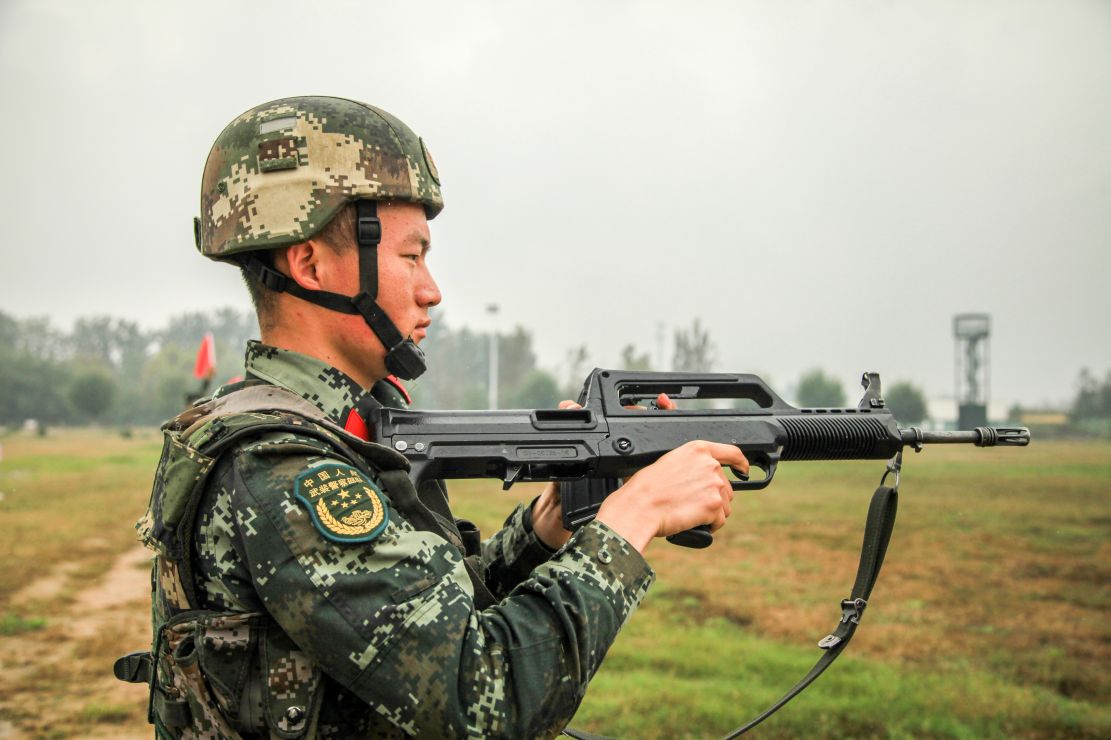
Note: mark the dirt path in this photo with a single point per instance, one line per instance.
(57, 681)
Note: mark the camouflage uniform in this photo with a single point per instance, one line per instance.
(309, 636)
(302, 586)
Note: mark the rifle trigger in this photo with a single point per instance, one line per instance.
(512, 475)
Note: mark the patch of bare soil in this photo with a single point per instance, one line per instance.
(57, 681)
(46, 588)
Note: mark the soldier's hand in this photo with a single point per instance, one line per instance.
(547, 518)
(685, 488)
(547, 514)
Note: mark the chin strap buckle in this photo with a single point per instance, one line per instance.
(272, 279)
(368, 231)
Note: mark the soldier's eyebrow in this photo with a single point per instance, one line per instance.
(419, 238)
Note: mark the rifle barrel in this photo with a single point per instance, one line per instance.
(980, 436)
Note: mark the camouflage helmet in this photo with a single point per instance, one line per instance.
(278, 173)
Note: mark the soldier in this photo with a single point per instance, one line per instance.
(303, 587)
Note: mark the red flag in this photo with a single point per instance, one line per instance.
(205, 367)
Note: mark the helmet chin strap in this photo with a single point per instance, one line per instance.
(404, 358)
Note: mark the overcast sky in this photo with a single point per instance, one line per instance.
(822, 183)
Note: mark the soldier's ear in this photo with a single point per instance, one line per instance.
(303, 263)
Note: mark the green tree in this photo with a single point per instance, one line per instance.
(32, 388)
(41, 368)
(516, 360)
(9, 334)
(907, 402)
(160, 389)
(117, 344)
(538, 390)
(33, 378)
(633, 360)
(458, 367)
(1093, 398)
(39, 339)
(1086, 403)
(818, 390)
(230, 329)
(91, 393)
(457, 361)
(1105, 396)
(578, 365)
(695, 351)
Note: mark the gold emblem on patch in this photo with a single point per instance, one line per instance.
(345, 505)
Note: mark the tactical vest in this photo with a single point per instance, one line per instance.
(203, 663)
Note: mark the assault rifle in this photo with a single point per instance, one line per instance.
(592, 448)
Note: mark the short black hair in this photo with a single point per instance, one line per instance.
(338, 235)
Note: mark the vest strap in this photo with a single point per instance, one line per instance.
(134, 667)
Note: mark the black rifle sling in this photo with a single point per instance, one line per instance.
(877, 533)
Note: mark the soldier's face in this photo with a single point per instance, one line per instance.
(406, 290)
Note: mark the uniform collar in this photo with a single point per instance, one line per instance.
(332, 391)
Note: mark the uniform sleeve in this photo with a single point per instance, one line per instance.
(219, 568)
(513, 552)
(393, 619)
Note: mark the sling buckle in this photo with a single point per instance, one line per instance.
(852, 609)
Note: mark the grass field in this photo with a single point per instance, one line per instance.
(992, 617)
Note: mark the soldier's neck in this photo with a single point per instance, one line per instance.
(330, 344)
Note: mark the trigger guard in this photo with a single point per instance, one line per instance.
(745, 484)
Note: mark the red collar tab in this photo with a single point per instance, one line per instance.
(356, 426)
(392, 379)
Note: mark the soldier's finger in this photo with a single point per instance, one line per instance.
(730, 455)
(664, 402)
(552, 490)
(719, 521)
(724, 482)
(726, 504)
(569, 405)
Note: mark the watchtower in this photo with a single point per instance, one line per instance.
(971, 332)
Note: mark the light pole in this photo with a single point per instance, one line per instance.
(492, 309)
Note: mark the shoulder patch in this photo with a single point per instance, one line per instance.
(344, 504)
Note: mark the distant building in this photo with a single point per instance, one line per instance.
(944, 413)
(1047, 423)
(1042, 417)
